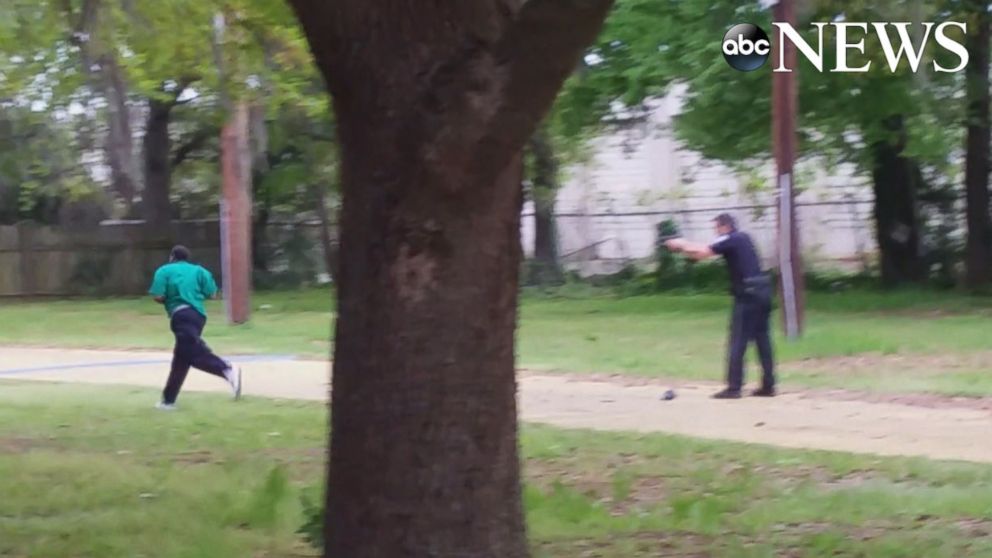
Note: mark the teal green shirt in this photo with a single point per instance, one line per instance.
(183, 283)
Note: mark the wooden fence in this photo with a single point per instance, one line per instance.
(112, 259)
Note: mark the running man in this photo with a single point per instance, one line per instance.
(182, 286)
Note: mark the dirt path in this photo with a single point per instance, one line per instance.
(799, 420)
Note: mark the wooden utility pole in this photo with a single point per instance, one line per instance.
(235, 204)
(784, 108)
(235, 219)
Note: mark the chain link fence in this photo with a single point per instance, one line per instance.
(835, 235)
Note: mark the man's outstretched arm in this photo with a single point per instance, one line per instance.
(693, 250)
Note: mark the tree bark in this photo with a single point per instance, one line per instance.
(236, 216)
(978, 252)
(120, 142)
(104, 74)
(261, 213)
(434, 102)
(547, 267)
(896, 182)
(258, 138)
(156, 200)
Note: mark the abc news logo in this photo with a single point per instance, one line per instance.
(746, 47)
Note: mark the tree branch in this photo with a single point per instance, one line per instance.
(539, 50)
(182, 84)
(195, 142)
(319, 136)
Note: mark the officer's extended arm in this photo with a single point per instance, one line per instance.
(693, 250)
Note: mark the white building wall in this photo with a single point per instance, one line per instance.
(609, 206)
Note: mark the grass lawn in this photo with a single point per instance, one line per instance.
(905, 341)
(94, 472)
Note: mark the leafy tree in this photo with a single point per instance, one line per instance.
(586, 106)
(153, 69)
(40, 175)
(543, 169)
(887, 124)
(978, 254)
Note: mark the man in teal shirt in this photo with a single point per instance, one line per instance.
(182, 287)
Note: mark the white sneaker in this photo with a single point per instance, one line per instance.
(163, 406)
(233, 375)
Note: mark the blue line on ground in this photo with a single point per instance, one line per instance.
(51, 367)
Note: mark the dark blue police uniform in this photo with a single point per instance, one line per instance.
(752, 292)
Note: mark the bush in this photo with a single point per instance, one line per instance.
(312, 529)
(91, 272)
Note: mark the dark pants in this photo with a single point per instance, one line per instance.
(187, 325)
(750, 322)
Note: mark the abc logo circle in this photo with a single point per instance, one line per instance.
(746, 47)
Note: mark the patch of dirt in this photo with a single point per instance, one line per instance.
(861, 363)
(633, 545)
(196, 457)
(796, 420)
(639, 491)
(625, 380)
(975, 528)
(925, 400)
(544, 474)
(854, 479)
(787, 538)
(870, 363)
(302, 464)
(647, 491)
(17, 446)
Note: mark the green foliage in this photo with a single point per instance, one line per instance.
(565, 504)
(312, 529)
(39, 168)
(52, 51)
(622, 485)
(91, 272)
(670, 266)
(648, 45)
(621, 69)
(264, 509)
(292, 262)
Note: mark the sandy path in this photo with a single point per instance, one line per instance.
(790, 420)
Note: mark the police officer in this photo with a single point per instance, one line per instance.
(752, 293)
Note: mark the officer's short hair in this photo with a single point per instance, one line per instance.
(726, 220)
(180, 253)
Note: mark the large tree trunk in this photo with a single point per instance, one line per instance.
(896, 182)
(99, 65)
(434, 102)
(262, 212)
(258, 137)
(978, 256)
(120, 142)
(546, 268)
(158, 166)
